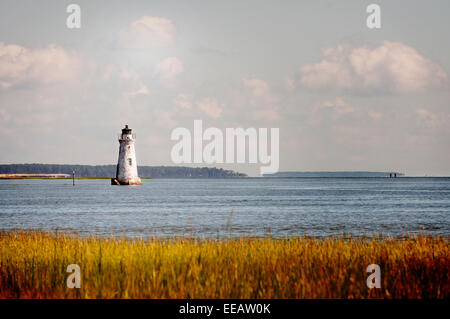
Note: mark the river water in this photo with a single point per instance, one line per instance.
(202, 207)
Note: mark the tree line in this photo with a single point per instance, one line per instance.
(110, 170)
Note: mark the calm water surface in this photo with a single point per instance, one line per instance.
(281, 206)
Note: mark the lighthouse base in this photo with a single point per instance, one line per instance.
(115, 181)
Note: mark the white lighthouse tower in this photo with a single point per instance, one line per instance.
(126, 173)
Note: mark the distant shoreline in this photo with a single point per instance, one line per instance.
(337, 174)
(243, 177)
(32, 175)
(52, 176)
(107, 171)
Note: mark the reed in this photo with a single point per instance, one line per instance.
(33, 265)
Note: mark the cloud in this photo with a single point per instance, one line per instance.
(141, 90)
(168, 71)
(337, 104)
(211, 107)
(165, 118)
(4, 115)
(289, 83)
(392, 67)
(257, 87)
(434, 120)
(183, 101)
(23, 67)
(53, 84)
(430, 119)
(261, 99)
(148, 32)
(129, 81)
(375, 115)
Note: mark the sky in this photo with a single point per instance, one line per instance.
(344, 97)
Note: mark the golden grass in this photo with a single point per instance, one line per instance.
(33, 265)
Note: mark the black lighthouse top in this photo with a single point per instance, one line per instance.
(126, 130)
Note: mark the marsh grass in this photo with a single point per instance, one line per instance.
(33, 265)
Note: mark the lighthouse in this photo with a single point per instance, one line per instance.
(126, 173)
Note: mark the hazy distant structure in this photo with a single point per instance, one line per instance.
(126, 172)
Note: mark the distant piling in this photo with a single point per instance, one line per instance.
(393, 175)
(73, 178)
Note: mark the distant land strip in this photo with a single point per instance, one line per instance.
(19, 176)
(65, 171)
(336, 174)
(53, 176)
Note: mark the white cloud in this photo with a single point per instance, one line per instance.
(391, 67)
(4, 115)
(165, 118)
(375, 115)
(337, 104)
(434, 120)
(211, 107)
(22, 67)
(129, 80)
(183, 101)
(260, 97)
(430, 119)
(57, 84)
(168, 71)
(114, 81)
(148, 32)
(141, 90)
(289, 83)
(257, 87)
